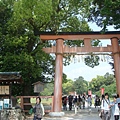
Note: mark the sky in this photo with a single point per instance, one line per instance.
(78, 68)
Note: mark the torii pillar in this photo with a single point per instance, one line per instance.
(58, 76)
(60, 49)
(116, 57)
(58, 79)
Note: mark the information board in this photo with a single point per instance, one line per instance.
(4, 90)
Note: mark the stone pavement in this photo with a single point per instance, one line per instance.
(82, 114)
(70, 115)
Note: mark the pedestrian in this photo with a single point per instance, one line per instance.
(64, 101)
(83, 100)
(80, 101)
(38, 109)
(118, 101)
(105, 107)
(115, 109)
(97, 102)
(70, 100)
(89, 100)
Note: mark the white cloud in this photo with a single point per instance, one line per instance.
(80, 69)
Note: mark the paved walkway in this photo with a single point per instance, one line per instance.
(82, 114)
(70, 115)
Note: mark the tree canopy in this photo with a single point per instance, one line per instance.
(107, 82)
(105, 13)
(80, 86)
(21, 50)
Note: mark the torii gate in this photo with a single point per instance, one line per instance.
(61, 49)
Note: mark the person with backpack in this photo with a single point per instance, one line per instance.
(38, 109)
(97, 101)
(105, 108)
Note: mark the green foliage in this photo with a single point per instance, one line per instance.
(80, 85)
(105, 13)
(21, 50)
(68, 86)
(107, 82)
(48, 90)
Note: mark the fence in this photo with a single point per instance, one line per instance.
(47, 102)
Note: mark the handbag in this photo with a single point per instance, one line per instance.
(30, 111)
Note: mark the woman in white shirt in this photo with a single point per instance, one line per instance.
(115, 109)
(105, 107)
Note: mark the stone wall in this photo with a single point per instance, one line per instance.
(13, 114)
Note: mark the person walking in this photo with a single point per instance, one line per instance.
(38, 109)
(97, 102)
(70, 100)
(105, 108)
(89, 101)
(83, 100)
(80, 101)
(64, 101)
(115, 109)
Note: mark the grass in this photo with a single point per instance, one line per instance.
(45, 101)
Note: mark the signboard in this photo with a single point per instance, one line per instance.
(4, 90)
(1, 105)
(38, 88)
(6, 103)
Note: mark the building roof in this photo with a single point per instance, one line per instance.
(10, 78)
(39, 82)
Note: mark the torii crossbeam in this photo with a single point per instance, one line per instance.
(61, 49)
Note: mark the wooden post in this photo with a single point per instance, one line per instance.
(116, 57)
(21, 102)
(52, 103)
(58, 76)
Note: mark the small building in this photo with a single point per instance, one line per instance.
(7, 79)
(38, 87)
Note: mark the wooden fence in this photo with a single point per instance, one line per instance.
(48, 105)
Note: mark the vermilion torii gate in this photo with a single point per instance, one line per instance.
(61, 49)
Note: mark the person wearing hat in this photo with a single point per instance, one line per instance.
(105, 107)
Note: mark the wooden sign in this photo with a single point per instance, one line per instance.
(4, 90)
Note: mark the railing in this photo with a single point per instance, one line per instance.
(47, 102)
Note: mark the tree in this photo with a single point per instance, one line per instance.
(107, 81)
(105, 13)
(21, 50)
(80, 85)
(48, 89)
(67, 87)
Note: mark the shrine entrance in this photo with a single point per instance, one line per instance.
(60, 49)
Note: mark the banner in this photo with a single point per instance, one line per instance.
(102, 91)
(90, 92)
